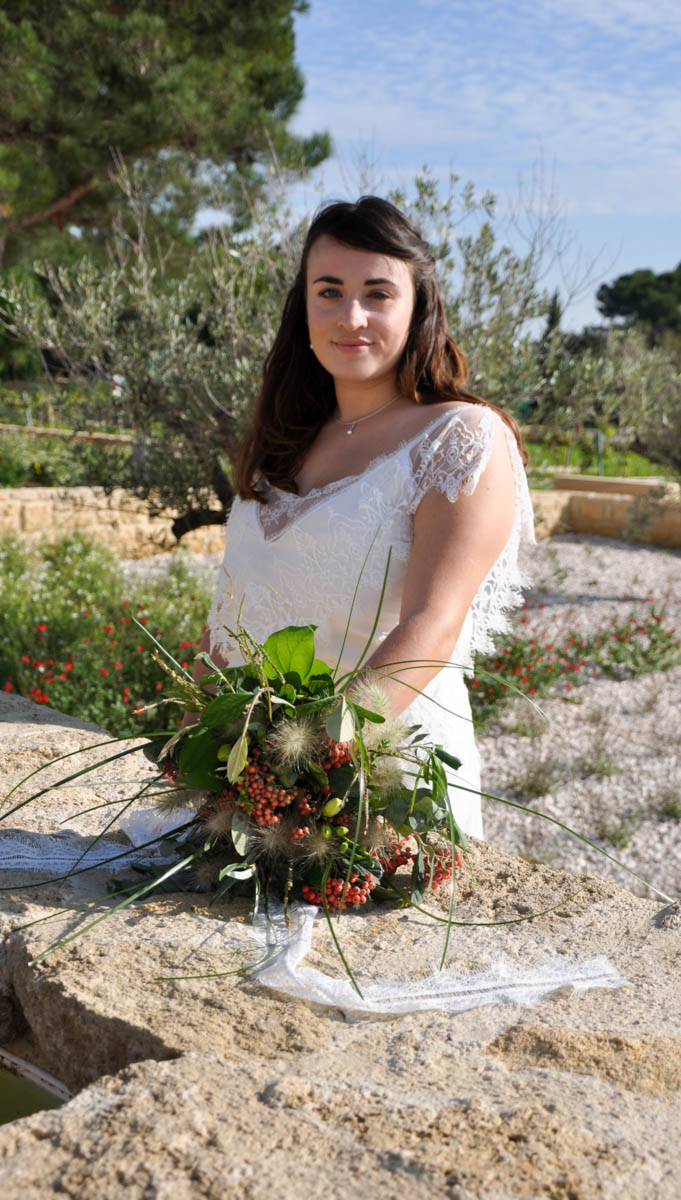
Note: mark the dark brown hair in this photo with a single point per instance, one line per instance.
(297, 396)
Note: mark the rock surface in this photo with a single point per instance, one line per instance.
(217, 1087)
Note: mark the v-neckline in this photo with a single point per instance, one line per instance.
(347, 480)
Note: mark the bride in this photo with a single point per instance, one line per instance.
(366, 453)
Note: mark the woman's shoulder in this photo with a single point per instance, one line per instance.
(456, 417)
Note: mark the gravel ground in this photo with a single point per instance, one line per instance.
(606, 759)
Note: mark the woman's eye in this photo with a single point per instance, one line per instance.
(378, 295)
(329, 293)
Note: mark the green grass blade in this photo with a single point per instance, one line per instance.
(117, 907)
(483, 924)
(377, 614)
(60, 758)
(337, 944)
(534, 812)
(67, 779)
(352, 606)
(159, 646)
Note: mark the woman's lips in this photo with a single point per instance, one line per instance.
(352, 347)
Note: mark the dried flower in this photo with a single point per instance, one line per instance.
(296, 741)
(218, 821)
(206, 875)
(387, 773)
(176, 799)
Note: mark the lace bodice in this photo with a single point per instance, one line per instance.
(299, 559)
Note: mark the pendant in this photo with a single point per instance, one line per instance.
(350, 430)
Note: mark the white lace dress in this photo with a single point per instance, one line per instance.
(297, 560)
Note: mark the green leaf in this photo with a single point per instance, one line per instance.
(224, 709)
(242, 833)
(418, 878)
(291, 649)
(449, 759)
(313, 706)
(365, 714)
(320, 668)
(238, 758)
(398, 809)
(339, 723)
(199, 760)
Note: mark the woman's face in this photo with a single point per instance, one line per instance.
(359, 309)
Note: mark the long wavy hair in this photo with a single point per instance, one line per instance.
(297, 396)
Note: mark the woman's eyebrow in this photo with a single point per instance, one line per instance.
(367, 282)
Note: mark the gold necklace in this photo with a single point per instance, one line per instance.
(351, 424)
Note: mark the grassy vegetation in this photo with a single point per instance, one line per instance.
(582, 458)
(72, 631)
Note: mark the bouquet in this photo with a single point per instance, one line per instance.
(304, 791)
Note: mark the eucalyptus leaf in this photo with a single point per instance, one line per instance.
(237, 759)
(418, 878)
(199, 759)
(241, 831)
(339, 723)
(365, 714)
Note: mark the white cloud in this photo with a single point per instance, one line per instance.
(490, 87)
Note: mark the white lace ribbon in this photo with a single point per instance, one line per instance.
(453, 991)
(287, 945)
(59, 853)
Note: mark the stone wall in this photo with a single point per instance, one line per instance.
(119, 519)
(641, 515)
(630, 509)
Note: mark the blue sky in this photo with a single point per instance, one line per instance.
(589, 88)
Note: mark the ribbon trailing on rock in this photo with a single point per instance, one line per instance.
(286, 945)
(453, 991)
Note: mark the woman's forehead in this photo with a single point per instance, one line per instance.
(348, 263)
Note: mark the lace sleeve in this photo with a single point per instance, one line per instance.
(452, 460)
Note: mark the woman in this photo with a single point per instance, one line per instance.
(365, 447)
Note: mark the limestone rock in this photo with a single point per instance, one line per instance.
(216, 1087)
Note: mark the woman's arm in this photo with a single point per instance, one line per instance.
(455, 546)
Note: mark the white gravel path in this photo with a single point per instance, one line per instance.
(605, 759)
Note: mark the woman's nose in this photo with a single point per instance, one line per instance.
(352, 314)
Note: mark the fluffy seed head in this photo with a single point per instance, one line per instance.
(378, 835)
(387, 773)
(371, 694)
(219, 821)
(315, 847)
(206, 875)
(175, 799)
(296, 741)
(273, 840)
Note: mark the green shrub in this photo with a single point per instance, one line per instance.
(68, 635)
(59, 462)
